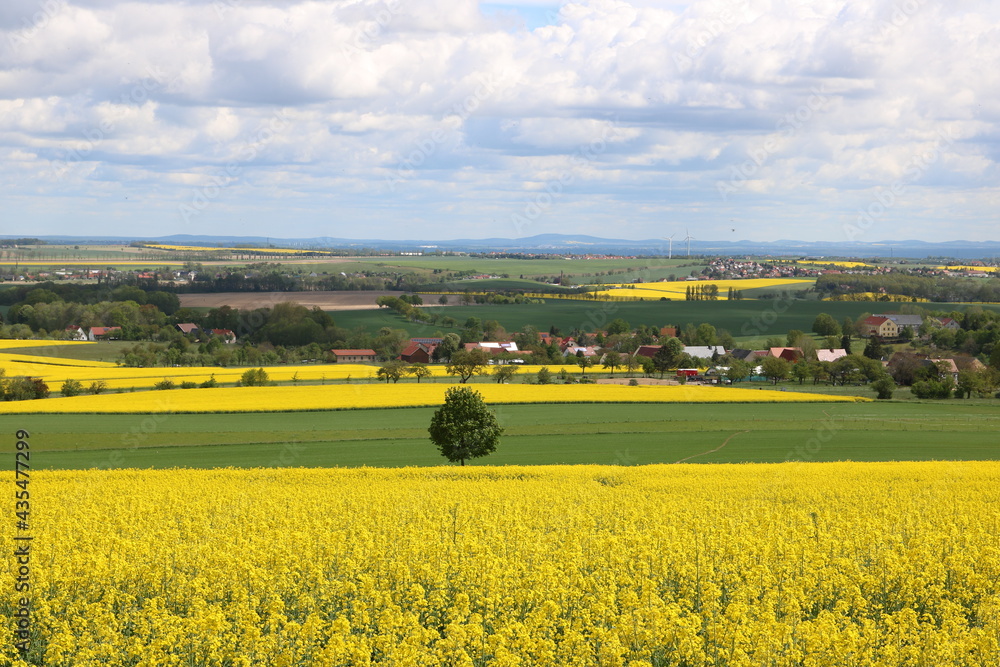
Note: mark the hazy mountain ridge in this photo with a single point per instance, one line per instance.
(581, 243)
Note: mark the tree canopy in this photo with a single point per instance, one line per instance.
(464, 427)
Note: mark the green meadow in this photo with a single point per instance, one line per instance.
(535, 435)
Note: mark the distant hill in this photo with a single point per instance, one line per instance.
(581, 244)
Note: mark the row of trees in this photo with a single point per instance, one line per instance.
(933, 288)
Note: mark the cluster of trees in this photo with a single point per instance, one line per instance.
(978, 333)
(275, 277)
(914, 285)
(930, 379)
(701, 293)
(21, 388)
(124, 288)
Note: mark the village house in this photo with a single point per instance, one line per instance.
(587, 351)
(226, 335)
(647, 351)
(881, 326)
(76, 332)
(831, 355)
(499, 347)
(417, 353)
(790, 354)
(353, 356)
(949, 366)
(704, 351)
(493, 347)
(912, 322)
(104, 333)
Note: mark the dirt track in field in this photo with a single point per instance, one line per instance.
(330, 300)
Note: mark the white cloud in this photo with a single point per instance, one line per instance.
(436, 111)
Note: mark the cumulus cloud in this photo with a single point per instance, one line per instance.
(329, 117)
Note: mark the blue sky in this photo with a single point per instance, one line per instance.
(825, 120)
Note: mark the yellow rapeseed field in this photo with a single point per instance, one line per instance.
(983, 269)
(8, 343)
(410, 394)
(677, 289)
(786, 565)
(192, 248)
(56, 370)
(850, 265)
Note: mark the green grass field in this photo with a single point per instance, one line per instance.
(536, 435)
(760, 318)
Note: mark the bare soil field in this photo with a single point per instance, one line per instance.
(329, 300)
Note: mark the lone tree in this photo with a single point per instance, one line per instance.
(464, 428)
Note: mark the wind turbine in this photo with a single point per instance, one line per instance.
(688, 238)
(670, 250)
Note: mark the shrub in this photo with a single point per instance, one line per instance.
(165, 383)
(633, 383)
(210, 383)
(931, 389)
(884, 387)
(188, 384)
(97, 386)
(544, 375)
(71, 388)
(25, 389)
(255, 377)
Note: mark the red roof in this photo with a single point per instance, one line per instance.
(410, 349)
(100, 331)
(647, 350)
(876, 320)
(354, 353)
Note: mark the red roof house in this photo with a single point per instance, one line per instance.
(104, 333)
(417, 353)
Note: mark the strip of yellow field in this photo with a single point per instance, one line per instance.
(678, 289)
(55, 370)
(270, 251)
(850, 265)
(984, 269)
(345, 396)
(13, 362)
(11, 343)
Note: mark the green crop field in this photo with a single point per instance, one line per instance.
(544, 267)
(760, 318)
(536, 434)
